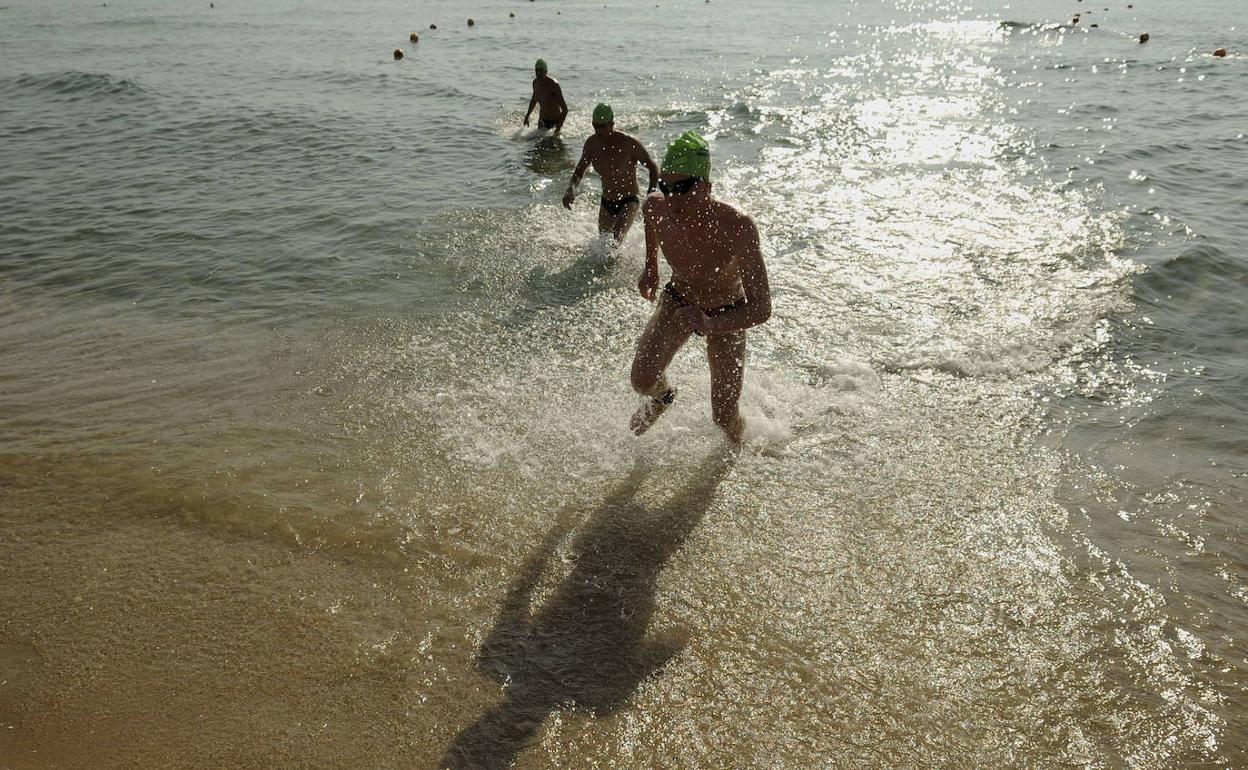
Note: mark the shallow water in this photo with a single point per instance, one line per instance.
(314, 399)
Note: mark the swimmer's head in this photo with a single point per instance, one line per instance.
(540, 67)
(688, 155)
(603, 119)
(686, 171)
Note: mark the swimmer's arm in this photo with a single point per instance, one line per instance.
(532, 104)
(581, 168)
(648, 284)
(563, 108)
(757, 288)
(644, 158)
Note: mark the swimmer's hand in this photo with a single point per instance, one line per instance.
(568, 197)
(693, 317)
(648, 284)
(526, 120)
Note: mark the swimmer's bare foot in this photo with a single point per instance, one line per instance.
(649, 413)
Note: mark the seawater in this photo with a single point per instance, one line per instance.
(313, 401)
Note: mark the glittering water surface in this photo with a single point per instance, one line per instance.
(314, 399)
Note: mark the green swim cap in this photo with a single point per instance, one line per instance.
(540, 66)
(688, 154)
(603, 114)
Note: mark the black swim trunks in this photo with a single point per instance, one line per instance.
(544, 123)
(680, 301)
(616, 207)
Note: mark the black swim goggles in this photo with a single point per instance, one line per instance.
(678, 188)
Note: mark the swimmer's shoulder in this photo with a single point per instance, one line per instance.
(639, 150)
(620, 144)
(731, 215)
(737, 225)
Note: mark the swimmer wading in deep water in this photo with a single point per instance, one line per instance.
(615, 156)
(549, 95)
(718, 287)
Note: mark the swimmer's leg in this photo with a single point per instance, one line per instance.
(625, 221)
(726, 355)
(660, 340)
(606, 220)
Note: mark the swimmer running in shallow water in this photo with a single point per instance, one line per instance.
(615, 156)
(719, 287)
(549, 95)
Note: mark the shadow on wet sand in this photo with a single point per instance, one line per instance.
(587, 646)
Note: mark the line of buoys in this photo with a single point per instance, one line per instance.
(414, 38)
(1221, 53)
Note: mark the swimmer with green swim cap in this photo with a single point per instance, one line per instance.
(549, 95)
(615, 156)
(688, 155)
(718, 289)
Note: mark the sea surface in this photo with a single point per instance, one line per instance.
(313, 399)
